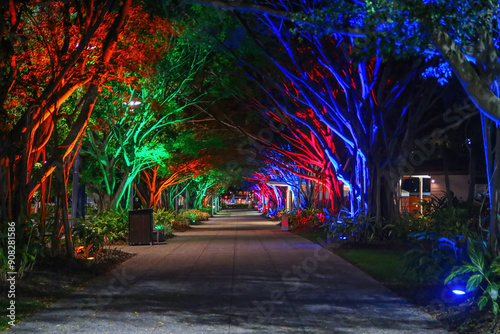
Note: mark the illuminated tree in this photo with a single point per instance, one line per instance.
(50, 50)
(160, 177)
(271, 197)
(304, 183)
(203, 187)
(302, 154)
(365, 115)
(352, 119)
(463, 34)
(124, 137)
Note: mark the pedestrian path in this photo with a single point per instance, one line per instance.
(237, 273)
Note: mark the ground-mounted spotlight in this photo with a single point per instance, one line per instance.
(459, 292)
(454, 292)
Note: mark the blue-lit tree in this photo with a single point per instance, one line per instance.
(463, 34)
(290, 173)
(373, 110)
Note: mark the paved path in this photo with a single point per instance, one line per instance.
(235, 274)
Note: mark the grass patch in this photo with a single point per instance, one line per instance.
(385, 265)
(312, 234)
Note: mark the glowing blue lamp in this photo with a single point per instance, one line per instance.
(458, 291)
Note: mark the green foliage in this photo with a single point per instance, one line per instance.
(407, 224)
(193, 216)
(163, 219)
(438, 219)
(482, 271)
(180, 223)
(451, 221)
(87, 241)
(208, 211)
(112, 225)
(428, 261)
(358, 229)
(27, 248)
(439, 236)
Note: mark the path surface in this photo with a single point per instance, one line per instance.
(237, 273)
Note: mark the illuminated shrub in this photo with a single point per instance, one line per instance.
(163, 219)
(111, 225)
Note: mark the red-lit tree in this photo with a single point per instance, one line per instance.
(158, 178)
(50, 51)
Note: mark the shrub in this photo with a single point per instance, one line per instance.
(431, 257)
(163, 219)
(359, 228)
(482, 272)
(193, 216)
(207, 211)
(306, 218)
(438, 218)
(180, 224)
(111, 225)
(27, 249)
(88, 242)
(407, 224)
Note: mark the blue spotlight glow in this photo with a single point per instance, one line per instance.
(458, 292)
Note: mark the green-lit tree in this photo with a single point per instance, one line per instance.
(128, 139)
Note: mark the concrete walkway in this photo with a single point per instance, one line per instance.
(238, 273)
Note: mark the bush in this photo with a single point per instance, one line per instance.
(431, 257)
(482, 273)
(359, 228)
(180, 224)
(207, 211)
(407, 224)
(307, 218)
(438, 219)
(163, 219)
(27, 249)
(111, 225)
(193, 216)
(88, 242)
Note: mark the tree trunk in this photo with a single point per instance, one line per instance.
(472, 175)
(446, 169)
(54, 245)
(75, 198)
(120, 192)
(67, 228)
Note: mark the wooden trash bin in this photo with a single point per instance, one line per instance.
(140, 227)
